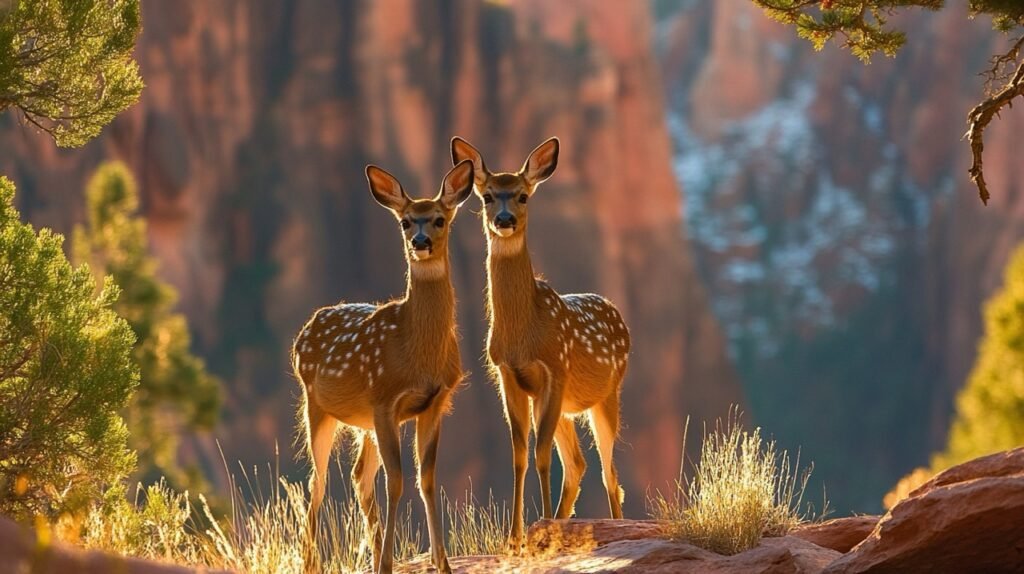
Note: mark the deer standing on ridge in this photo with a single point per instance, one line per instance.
(372, 367)
(566, 354)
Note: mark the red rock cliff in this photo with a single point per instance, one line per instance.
(249, 143)
(835, 224)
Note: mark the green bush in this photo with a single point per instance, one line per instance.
(67, 64)
(157, 527)
(175, 393)
(990, 408)
(65, 374)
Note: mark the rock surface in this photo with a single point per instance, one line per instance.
(967, 519)
(250, 142)
(21, 553)
(634, 547)
(839, 534)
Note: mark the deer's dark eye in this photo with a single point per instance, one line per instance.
(406, 224)
(523, 197)
(488, 198)
(439, 222)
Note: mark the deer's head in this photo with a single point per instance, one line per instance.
(425, 222)
(505, 195)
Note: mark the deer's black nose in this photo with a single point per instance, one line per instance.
(420, 242)
(504, 220)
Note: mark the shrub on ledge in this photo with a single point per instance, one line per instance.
(743, 488)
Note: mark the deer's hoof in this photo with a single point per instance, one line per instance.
(516, 545)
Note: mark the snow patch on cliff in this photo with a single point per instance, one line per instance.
(769, 278)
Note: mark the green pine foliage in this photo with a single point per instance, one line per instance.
(990, 408)
(175, 393)
(864, 24)
(66, 372)
(67, 64)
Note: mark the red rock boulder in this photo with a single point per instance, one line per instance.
(969, 518)
(839, 534)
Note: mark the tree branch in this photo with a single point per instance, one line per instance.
(982, 115)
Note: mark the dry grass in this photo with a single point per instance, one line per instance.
(263, 533)
(264, 530)
(475, 528)
(743, 488)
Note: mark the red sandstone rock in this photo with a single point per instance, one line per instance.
(631, 546)
(547, 536)
(250, 141)
(839, 534)
(967, 519)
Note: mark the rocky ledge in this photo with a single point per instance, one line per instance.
(969, 518)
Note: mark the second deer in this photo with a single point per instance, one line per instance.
(566, 354)
(372, 367)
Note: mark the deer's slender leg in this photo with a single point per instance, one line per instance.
(364, 475)
(573, 466)
(517, 411)
(391, 454)
(428, 432)
(320, 439)
(604, 421)
(547, 410)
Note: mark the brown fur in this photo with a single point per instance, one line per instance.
(566, 354)
(372, 367)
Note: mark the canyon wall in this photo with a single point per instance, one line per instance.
(249, 144)
(832, 218)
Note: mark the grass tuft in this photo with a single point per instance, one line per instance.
(475, 528)
(743, 488)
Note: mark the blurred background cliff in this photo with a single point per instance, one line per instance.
(788, 231)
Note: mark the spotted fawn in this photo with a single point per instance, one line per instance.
(568, 353)
(373, 367)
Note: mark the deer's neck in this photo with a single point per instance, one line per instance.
(428, 311)
(510, 286)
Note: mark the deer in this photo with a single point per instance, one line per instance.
(373, 367)
(565, 354)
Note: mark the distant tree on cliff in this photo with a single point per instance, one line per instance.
(864, 26)
(65, 374)
(990, 408)
(66, 65)
(175, 391)
(989, 413)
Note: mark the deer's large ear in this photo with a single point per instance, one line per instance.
(541, 162)
(457, 185)
(461, 150)
(386, 189)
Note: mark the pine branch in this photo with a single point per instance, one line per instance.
(982, 115)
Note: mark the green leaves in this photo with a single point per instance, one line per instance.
(863, 24)
(176, 393)
(67, 64)
(65, 374)
(990, 408)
